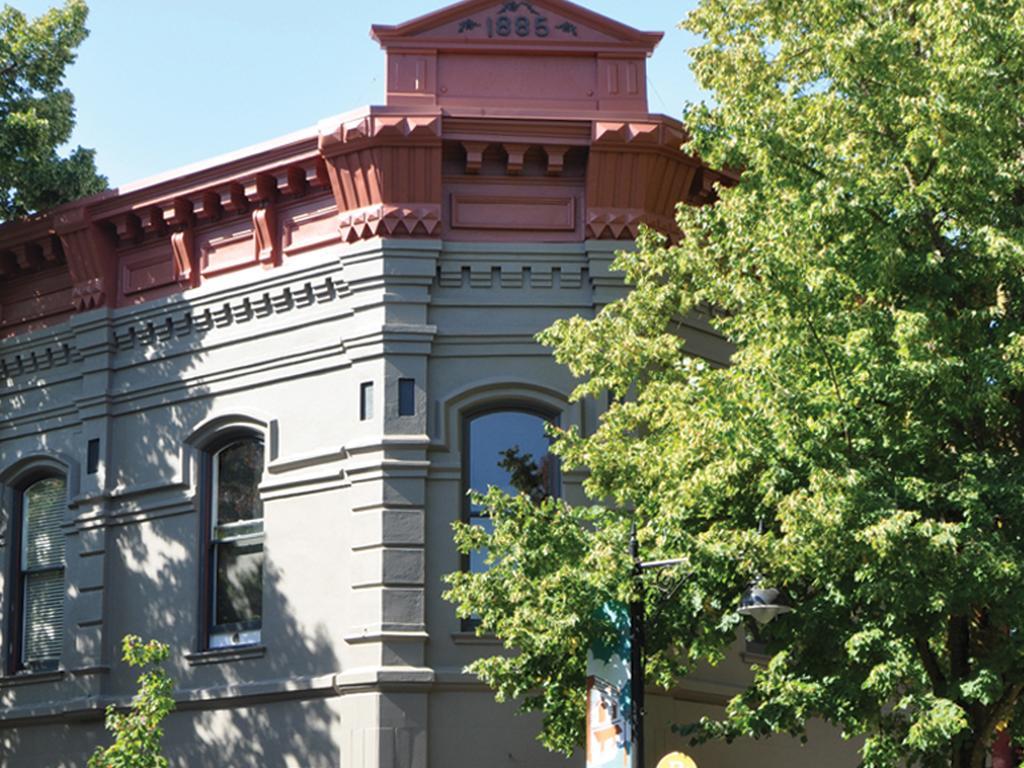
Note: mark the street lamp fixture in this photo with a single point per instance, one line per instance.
(762, 603)
(758, 602)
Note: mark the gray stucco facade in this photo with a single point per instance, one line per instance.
(358, 652)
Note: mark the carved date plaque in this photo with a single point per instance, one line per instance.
(517, 19)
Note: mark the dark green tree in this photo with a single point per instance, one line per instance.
(868, 270)
(37, 113)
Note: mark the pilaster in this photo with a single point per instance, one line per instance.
(86, 644)
(389, 344)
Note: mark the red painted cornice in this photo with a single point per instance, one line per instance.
(552, 144)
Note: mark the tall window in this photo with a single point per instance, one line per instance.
(234, 563)
(508, 449)
(38, 604)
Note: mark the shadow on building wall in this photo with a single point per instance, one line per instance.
(257, 709)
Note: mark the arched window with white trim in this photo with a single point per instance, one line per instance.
(37, 569)
(233, 542)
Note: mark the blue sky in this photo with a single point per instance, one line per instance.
(164, 83)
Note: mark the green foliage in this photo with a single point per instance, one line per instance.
(37, 114)
(868, 271)
(137, 733)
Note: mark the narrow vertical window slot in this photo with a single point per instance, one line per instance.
(407, 397)
(92, 460)
(366, 401)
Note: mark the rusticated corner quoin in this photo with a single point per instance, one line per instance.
(385, 173)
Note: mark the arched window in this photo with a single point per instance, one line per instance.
(37, 560)
(233, 539)
(507, 448)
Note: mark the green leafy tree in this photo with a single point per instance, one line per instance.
(137, 733)
(37, 114)
(868, 271)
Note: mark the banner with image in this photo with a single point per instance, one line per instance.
(609, 700)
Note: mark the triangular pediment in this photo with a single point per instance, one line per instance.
(557, 24)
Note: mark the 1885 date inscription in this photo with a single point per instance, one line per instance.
(517, 19)
(522, 26)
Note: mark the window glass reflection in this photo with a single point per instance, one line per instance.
(508, 450)
(239, 468)
(236, 545)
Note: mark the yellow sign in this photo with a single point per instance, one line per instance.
(677, 760)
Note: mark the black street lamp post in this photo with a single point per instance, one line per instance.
(637, 671)
(758, 602)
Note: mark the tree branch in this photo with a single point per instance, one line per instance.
(930, 662)
(835, 380)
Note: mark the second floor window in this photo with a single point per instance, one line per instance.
(38, 610)
(235, 545)
(507, 449)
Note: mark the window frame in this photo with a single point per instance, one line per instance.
(208, 471)
(14, 662)
(531, 408)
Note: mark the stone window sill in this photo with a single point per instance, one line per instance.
(32, 678)
(471, 638)
(224, 655)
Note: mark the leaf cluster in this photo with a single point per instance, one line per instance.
(137, 733)
(37, 113)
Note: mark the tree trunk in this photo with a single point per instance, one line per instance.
(963, 751)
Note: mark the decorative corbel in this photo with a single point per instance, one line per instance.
(152, 220)
(183, 249)
(233, 200)
(263, 193)
(180, 216)
(516, 156)
(207, 207)
(294, 181)
(264, 227)
(556, 158)
(92, 262)
(127, 227)
(474, 155)
(28, 256)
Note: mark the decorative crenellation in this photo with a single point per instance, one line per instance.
(389, 221)
(456, 274)
(624, 224)
(200, 320)
(337, 136)
(23, 363)
(655, 133)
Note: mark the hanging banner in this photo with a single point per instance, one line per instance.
(609, 702)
